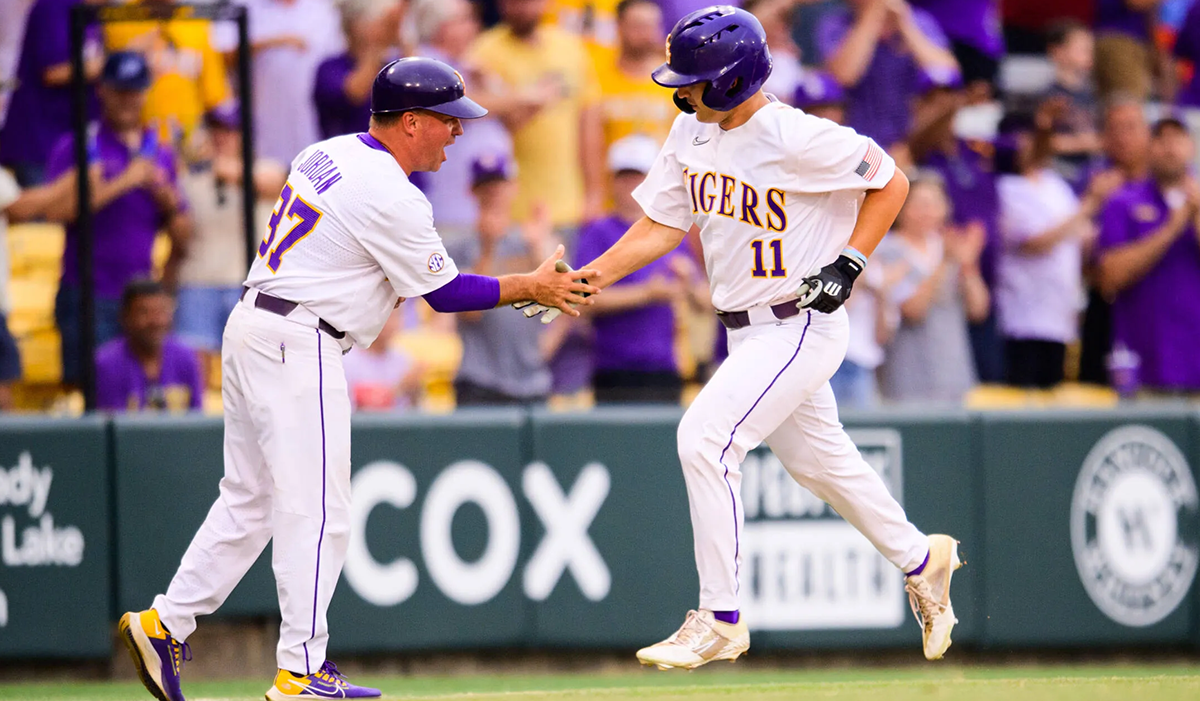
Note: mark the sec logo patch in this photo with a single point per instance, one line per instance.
(436, 263)
(1131, 512)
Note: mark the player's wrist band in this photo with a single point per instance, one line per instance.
(852, 252)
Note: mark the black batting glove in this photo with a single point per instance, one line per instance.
(829, 289)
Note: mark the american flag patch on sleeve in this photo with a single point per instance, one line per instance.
(871, 162)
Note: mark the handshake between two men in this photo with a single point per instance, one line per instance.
(825, 290)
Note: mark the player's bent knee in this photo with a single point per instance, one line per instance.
(697, 442)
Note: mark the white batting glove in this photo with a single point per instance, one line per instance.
(531, 309)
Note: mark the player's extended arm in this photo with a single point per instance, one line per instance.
(645, 242)
(830, 288)
(546, 286)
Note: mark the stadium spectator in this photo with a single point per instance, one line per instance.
(188, 73)
(446, 30)
(976, 37)
(594, 21)
(539, 81)
(820, 95)
(288, 39)
(1076, 141)
(674, 10)
(630, 102)
(634, 321)
(1187, 48)
(342, 92)
(134, 194)
(877, 50)
(776, 19)
(12, 29)
(39, 112)
(873, 321)
(502, 363)
(1025, 21)
(19, 205)
(145, 368)
(1126, 56)
(1045, 227)
(1149, 265)
(939, 289)
(1126, 137)
(381, 377)
(967, 172)
(211, 275)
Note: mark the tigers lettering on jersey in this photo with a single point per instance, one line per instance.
(773, 198)
(717, 193)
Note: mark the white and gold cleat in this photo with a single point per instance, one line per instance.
(701, 639)
(929, 595)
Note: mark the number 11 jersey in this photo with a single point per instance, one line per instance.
(775, 198)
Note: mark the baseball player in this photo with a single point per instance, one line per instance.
(779, 198)
(350, 238)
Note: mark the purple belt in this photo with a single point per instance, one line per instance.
(282, 307)
(736, 320)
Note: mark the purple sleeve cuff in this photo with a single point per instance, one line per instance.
(465, 293)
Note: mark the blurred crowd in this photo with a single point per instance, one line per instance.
(1051, 234)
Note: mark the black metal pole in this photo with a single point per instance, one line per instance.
(80, 17)
(249, 194)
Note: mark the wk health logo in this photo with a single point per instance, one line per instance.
(803, 566)
(28, 535)
(1133, 517)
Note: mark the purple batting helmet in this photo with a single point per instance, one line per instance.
(720, 45)
(422, 84)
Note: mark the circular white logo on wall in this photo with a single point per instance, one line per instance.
(1133, 493)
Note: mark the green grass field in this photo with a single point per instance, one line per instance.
(1088, 683)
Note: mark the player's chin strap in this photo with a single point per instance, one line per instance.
(686, 107)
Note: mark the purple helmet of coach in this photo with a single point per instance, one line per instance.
(417, 83)
(723, 46)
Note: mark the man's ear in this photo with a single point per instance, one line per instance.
(410, 121)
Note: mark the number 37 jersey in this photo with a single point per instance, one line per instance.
(775, 199)
(348, 236)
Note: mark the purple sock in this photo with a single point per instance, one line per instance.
(730, 617)
(920, 568)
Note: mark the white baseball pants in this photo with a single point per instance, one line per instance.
(774, 386)
(287, 477)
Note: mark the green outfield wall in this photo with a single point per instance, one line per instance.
(510, 528)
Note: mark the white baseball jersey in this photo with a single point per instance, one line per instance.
(348, 236)
(775, 199)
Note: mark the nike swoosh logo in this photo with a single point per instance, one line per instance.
(697, 142)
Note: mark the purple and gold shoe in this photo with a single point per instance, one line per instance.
(325, 683)
(157, 655)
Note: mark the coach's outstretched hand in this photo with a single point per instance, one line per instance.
(557, 289)
(830, 288)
